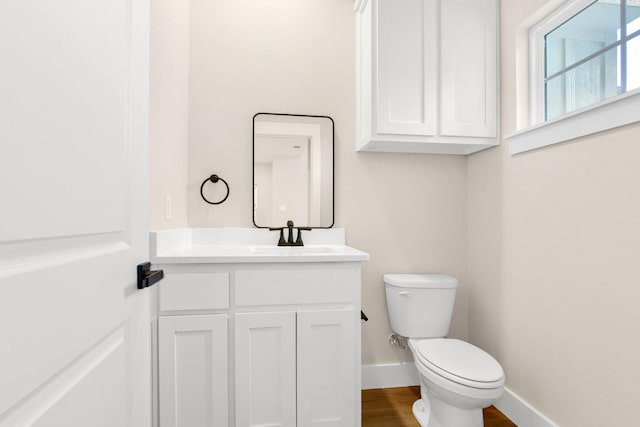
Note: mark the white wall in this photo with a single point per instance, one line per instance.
(554, 237)
(297, 56)
(169, 109)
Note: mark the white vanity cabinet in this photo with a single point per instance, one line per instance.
(254, 344)
(426, 76)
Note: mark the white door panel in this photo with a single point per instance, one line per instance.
(65, 80)
(73, 213)
(83, 381)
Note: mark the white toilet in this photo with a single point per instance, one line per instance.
(457, 379)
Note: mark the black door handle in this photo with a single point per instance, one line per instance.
(147, 277)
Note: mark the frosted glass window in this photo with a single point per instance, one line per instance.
(592, 56)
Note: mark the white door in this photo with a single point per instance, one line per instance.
(193, 371)
(74, 330)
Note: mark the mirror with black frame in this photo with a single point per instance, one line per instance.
(293, 170)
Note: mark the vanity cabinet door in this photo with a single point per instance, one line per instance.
(296, 369)
(193, 371)
(327, 368)
(265, 369)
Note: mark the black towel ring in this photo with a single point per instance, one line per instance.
(214, 179)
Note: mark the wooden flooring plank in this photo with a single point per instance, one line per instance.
(391, 407)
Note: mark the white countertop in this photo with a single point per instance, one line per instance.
(248, 245)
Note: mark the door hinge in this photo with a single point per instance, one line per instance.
(147, 277)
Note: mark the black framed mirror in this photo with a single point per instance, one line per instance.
(293, 170)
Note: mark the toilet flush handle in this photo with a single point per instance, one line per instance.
(407, 294)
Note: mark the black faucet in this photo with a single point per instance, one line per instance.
(290, 238)
(290, 241)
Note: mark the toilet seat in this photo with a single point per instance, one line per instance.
(460, 362)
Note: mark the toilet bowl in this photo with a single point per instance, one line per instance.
(457, 379)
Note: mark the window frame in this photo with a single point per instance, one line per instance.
(537, 55)
(616, 111)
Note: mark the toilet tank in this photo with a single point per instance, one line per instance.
(420, 305)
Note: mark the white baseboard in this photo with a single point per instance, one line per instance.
(391, 375)
(406, 374)
(520, 412)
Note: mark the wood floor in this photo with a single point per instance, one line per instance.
(391, 407)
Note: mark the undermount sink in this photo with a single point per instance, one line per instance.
(293, 250)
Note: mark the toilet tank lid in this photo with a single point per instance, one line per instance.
(427, 281)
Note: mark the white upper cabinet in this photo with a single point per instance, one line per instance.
(427, 76)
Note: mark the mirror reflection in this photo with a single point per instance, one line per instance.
(292, 170)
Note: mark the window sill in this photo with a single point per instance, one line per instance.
(619, 111)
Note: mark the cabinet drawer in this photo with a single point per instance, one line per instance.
(194, 291)
(280, 287)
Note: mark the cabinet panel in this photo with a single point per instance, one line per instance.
(193, 371)
(279, 287)
(406, 72)
(327, 382)
(468, 82)
(265, 367)
(194, 291)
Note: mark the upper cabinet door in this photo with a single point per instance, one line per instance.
(426, 76)
(468, 85)
(406, 72)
